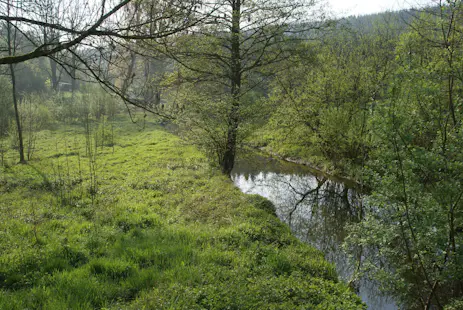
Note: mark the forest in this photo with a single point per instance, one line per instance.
(122, 121)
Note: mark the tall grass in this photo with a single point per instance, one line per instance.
(145, 223)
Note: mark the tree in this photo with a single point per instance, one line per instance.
(236, 50)
(439, 27)
(323, 103)
(12, 44)
(413, 214)
(87, 36)
(50, 12)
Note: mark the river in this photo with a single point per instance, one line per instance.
(316, 207)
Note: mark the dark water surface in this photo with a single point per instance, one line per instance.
(317, 209)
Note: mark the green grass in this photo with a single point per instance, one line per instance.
(163, 231)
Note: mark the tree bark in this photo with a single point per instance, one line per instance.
(54, 75)
(73, 74)
(16, 112)
(228, 160)
(129, 75)
(11, 51)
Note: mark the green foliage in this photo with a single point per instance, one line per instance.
(455, 305)
(202, 114)
(382, 103)
(323, 103)
(165, 231)
(31, 77)
(413, 212)
(224, 65)
(91, 101)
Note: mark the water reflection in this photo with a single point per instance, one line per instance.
(316, 208)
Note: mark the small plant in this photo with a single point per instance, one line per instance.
(2, 152)
(36, 220)
(35, 116)
(91, 152)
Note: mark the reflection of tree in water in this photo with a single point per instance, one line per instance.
(317, 209)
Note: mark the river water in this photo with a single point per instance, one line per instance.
(316, 208)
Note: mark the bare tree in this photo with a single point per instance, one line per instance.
(11, 34)
(50, 12)
(89, 36)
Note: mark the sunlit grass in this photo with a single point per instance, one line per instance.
(151, 226)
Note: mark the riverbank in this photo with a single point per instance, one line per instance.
(318, 210)
(303, 152)
(320, 170)
(144, 222)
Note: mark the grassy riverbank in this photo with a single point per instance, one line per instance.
(296, 150)
(136, 219)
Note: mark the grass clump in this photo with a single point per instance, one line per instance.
(146, 223)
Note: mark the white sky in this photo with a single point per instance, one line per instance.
(360, 7)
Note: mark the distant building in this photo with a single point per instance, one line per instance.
(63, 86)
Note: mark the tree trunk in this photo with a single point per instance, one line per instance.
(451, 103)
(228, 160)
(73, 75)
(16, 112)
(129, 74)
(54, 75)
(147, 91)
(11, 51)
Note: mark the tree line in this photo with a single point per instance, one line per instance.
(381, 102)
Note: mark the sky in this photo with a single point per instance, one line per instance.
(361, 7)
